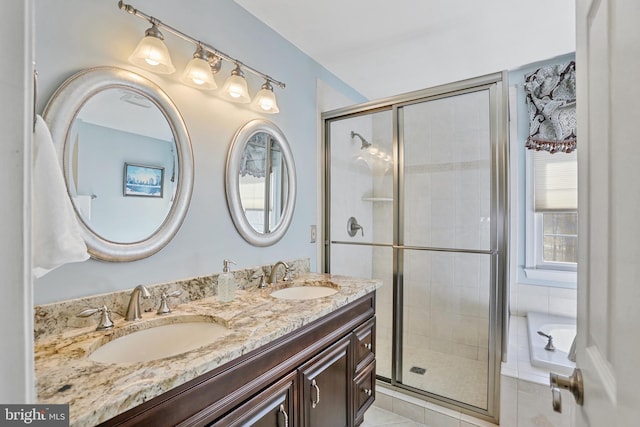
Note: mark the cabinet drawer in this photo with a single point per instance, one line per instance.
(365, 339)
(364, 391)
(273, 407)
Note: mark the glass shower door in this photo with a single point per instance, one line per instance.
(423, 176)
(446, 249)
(360, 180)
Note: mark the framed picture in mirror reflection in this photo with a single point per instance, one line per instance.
(143, 180)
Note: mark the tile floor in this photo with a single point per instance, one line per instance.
(377, 417)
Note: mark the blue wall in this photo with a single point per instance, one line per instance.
(72, 35)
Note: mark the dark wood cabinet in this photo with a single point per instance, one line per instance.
(320, 375)
(364, 345)
(364, 378)
(364, 392)
(326, 387)
(273, 407)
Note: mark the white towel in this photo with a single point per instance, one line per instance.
(57, 236)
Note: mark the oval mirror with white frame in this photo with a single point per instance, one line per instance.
(260, 182)
(127, 161)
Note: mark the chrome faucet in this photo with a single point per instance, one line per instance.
(273, 277)
(572, 351)
(133, 311)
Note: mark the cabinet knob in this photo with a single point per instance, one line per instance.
(367, 345)
(367, 391)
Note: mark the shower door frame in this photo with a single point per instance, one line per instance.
(497, 85)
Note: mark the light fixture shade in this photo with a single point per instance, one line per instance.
(235, 87)
(198, 72)
(265, 100)
(152, 54)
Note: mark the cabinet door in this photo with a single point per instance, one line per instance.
(365, 344)
(364, 391)
(273, 407)
(326, 387)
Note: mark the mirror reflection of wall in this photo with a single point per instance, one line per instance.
(115, 127)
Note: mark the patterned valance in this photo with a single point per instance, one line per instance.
(551, 102)
(254, 159)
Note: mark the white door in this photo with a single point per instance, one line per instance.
(608, 68)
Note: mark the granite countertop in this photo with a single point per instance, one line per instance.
(97, 391)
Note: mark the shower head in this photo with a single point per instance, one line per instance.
(365, 143)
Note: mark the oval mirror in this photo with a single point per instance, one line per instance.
(127, 161)
(260, 182)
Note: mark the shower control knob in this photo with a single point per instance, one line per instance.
(353, 227)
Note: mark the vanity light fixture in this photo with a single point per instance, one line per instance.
(152, 54)
(235, 87)
(200, 70)
(265, 100)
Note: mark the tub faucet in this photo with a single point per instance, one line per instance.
(133, 311)
(549, 346)
(273, 277)
(572, 351)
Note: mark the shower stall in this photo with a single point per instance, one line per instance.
(416, 196)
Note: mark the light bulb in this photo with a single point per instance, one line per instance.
(198, 72)
(265, 100)
(266, 104)
(152, 54)
(235, 87)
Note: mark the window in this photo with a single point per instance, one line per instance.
(552, 220)
(558, 240)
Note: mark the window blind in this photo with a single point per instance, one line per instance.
(555, 181)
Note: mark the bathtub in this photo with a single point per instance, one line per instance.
(563, 331)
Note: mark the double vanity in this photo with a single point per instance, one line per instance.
(292, 353)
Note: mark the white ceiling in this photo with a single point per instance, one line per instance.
(387, 47)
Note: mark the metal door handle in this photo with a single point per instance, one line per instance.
(367, 345)
(315, 401)
(573, 383)
(284, 414)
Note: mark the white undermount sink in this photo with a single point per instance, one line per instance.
(159, 342)
(303, 292)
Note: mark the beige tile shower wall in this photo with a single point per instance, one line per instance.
(446, 300)
(383, 270)
(350, 180)
(447, 205)
(382, 185)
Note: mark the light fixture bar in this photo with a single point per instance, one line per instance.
(133, 11)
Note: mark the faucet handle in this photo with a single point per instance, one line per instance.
(105, 321)
(263, 283)
(287, 273)
(164, 307)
